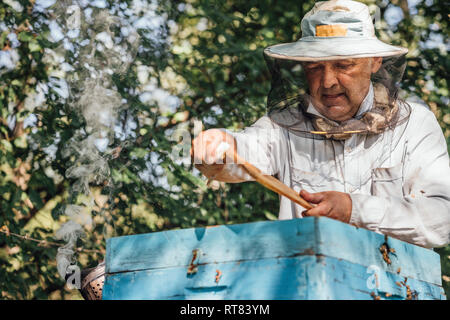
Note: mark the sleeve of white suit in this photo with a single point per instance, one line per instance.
(422, 215)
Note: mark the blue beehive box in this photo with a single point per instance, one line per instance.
(309, 258)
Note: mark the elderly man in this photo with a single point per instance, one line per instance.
(337, 132)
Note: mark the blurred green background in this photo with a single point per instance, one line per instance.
(198, 61)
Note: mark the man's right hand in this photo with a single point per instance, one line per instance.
(204, 148)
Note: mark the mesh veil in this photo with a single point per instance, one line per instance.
(289, 98)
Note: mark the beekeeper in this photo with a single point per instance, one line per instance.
(338, 132)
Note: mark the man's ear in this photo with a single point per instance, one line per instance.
(376, 63)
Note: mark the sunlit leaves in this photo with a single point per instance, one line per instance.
(213, 63)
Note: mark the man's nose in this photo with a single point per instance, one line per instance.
(329, 78)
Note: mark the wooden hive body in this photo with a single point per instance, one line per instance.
(309, 258)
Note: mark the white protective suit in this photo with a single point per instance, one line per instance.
(399, 181)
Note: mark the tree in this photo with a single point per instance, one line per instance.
(67, 169)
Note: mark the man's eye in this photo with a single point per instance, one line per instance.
(345, 66)
(317, 67)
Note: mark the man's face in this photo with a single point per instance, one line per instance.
(338, 87)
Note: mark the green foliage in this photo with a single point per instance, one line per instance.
(215, 65)
(445, 267)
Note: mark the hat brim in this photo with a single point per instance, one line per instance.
(333, 48)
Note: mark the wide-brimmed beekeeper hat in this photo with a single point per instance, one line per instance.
(336, 29)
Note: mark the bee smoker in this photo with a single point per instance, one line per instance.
(92, 280)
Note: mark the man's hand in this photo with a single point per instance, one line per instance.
(210, 161)
(204, 147)
(331, 204)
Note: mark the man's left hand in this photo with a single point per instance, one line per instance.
(331, 204)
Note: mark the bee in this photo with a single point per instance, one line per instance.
(218, 275)
(193, 267)
(384, 249)
(374, 296)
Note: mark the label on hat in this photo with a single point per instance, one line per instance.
(331, 30)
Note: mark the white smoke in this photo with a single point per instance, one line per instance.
(104, 41)
(93, 95)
